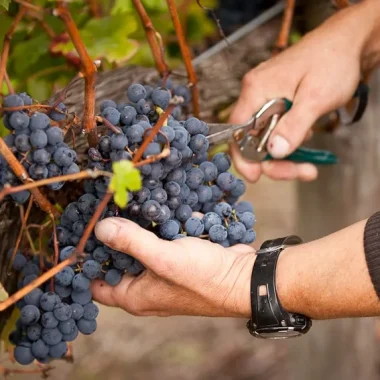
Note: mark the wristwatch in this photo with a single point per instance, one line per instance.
(269, 319)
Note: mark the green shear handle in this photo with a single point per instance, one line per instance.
(303, 154)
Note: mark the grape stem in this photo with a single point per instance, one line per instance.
(11, 371)
(94, 8)
(154, 42)
(153, 133)
(186, 55)
(21, 173)
(108, 124)
(67, 177)
(8, 82)
(89, 71)
(24, 219)
(283, 37)
(7, 40)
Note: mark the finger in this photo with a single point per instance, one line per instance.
(110, 295)
(251, 171)
(128, 237)
(250, 100)
(287, 170)
(292, 128)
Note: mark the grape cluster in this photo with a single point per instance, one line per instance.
(37, 143)
(49, 319)
(183, 194)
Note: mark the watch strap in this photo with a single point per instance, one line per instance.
(267, 312)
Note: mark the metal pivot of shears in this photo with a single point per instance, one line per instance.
(253, 136)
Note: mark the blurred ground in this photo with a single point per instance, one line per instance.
(127, 347)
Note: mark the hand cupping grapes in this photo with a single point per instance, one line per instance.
(173, 188)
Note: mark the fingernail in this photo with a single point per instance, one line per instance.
(106, 230)
(278, 147)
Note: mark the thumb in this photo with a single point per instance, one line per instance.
(292, 128)
(128, 237)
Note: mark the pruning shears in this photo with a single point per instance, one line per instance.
(252, 137)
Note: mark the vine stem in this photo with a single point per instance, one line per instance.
(151, 35)
(8, 82)
(67, 177)
(7, 40)
(24, 219)
(283, 37)
(153, 133)
(89, 71)
(21, 173)
(186, 55)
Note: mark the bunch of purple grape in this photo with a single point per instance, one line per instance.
(183, 194)
(37, 143)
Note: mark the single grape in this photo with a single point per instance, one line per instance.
(113, 277)
(168, 132)
(91, 311)
(144, 107)
(204, 194)
(165, 215)
(194, 178)
(222, 161)
(63, 291)
(48, 320)
(226, 181)
(199, 143)
(86, 326)
(143, 195)
(135, 133)
(91, 269)
(210, 171)
(247, 218)
(119, 141)
(66, 252)
(41, 156)
(172, 188)
(174, 202)
(169, 229)
(64, 156)
(159, 195)
(236, 230)
(80, 282)
(38, 139)
(217, 233)
(150, 210)
(136, 92)
(127, 115)
(40, 349)
(183, 213)
(62, 312)
(34, 297)
(161, 97)
(51, 336)
(81, 297)
(19, 261)
(72, 336)
(77, 311)
(181, 139)
(112, 115)
(39, 121)
(23, 355)
(28, 101)
(194, 226)
(244, 206)
(33, 332)
(193, 126)
(37, 171)
(13, 100)
(177, 175)
(58, 350)
(22, 143)
(223, 209)
(19, 120)
(184, 92)
(29, 315)
(48, 301)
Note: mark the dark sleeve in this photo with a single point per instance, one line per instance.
(372, 249)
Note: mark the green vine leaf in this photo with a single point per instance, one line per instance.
(5, 3)
(107, 38)
(125, 178)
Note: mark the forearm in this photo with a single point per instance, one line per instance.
(328, 278)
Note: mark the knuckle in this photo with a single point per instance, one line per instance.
(250, 79)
